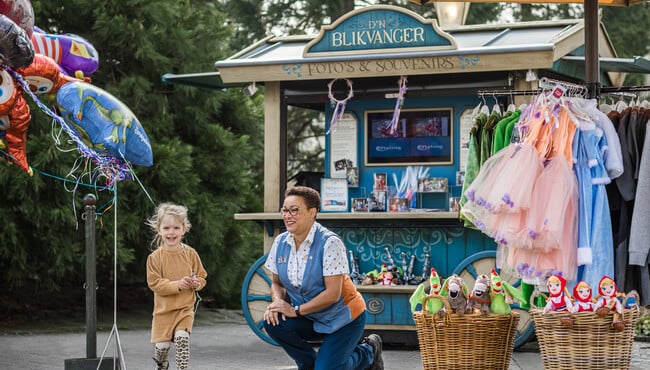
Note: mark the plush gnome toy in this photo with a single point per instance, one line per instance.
(584, 302)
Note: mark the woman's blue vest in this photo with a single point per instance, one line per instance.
(331, 318)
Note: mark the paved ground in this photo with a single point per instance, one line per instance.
(225, 342)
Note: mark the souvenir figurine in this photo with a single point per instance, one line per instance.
(501, 294)
(435, 303)
(478, 302)
(383, 271)
(631, 300)
(455, 289)
(607, 301)
(388, 278)
(584, 302)
(368, 279)
(559, 299)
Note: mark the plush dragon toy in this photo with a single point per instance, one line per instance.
(435, 303)
(501, 293)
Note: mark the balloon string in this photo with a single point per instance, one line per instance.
(109, 167)
(58, 177)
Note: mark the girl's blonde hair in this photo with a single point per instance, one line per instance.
(167, 209)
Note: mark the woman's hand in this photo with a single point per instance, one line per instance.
(277, 309)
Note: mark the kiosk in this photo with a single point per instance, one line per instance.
(386, 67)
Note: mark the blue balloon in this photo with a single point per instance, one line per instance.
(104, 123)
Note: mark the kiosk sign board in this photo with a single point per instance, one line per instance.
(379, 29)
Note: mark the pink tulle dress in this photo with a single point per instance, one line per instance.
(525, 196)
(500, 193)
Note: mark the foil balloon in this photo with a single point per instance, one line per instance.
(20, 12)
(14, 120)
(44, 76)
(16, 50)
(104, 123)
(71, 52)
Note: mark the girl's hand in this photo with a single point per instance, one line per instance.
(186, 283)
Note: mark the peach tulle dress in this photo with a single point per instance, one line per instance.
(525, 196)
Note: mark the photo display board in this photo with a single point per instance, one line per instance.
(423, 137)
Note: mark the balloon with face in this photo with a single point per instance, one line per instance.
(44, 76)
(104, 123)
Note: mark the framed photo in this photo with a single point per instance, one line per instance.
(359, 204)
(433, 185)
(334, 195)
(380, 181)
(460, 178)
(421, 137)
(352, 174)
(398, 204)
(454, 204)
(377, 201)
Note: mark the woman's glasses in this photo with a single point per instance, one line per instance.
(292, 211)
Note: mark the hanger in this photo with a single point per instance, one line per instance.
(484, 108)
(620, 105)
(496, 108)
(511, 107)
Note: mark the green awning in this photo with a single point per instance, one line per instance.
(627, 65)
(208, 80)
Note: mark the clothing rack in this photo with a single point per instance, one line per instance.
(613, 89)
(622, 94)
(545, 84)
(548, 83)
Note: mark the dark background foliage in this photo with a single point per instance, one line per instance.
(207, 144)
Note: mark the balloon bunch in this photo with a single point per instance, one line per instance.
(33, 62)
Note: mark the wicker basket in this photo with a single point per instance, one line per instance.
(465, 341)
(590, 343)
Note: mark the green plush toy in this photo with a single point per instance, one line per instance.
(500, 293)
(435, 303)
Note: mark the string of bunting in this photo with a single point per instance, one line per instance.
(339, 108)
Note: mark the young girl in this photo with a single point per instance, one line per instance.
(174, 274)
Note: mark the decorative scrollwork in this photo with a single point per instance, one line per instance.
(293, 69)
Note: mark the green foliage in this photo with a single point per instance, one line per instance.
(207, 148)
(642, 327)
(627, 28)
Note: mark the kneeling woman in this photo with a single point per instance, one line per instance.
(314, 299)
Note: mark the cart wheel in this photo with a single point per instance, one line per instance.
(255, 296)
(482, 263)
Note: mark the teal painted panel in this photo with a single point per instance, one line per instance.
(401, 309)
(439, 242)
(379, 308)
(410, 242)
(455, 248)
